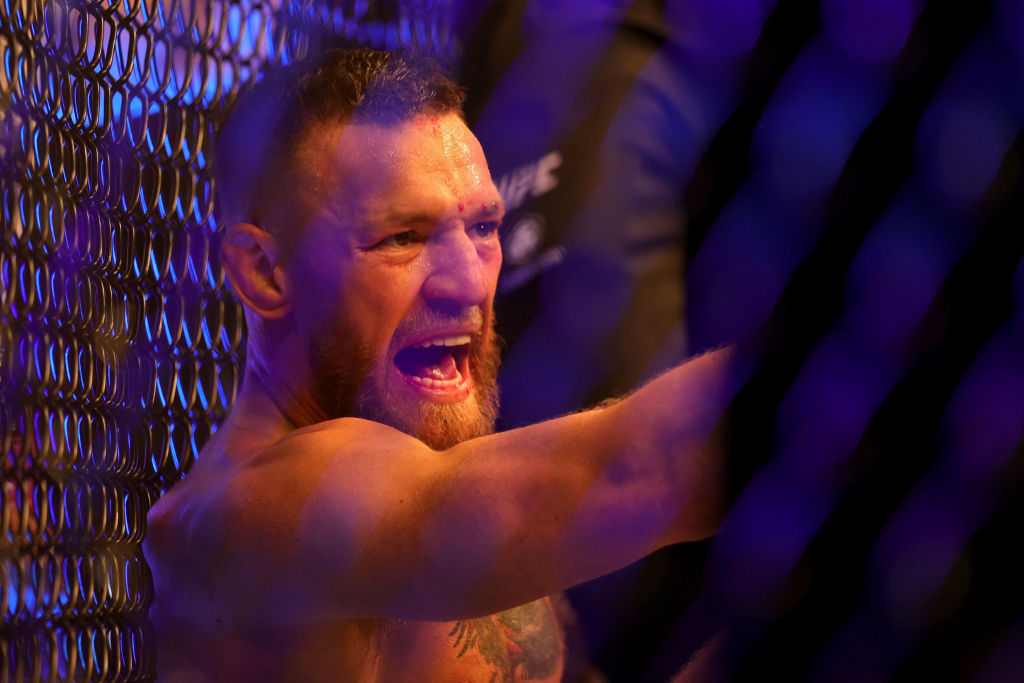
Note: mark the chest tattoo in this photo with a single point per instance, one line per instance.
(522, 641)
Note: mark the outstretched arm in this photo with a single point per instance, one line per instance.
(353, 519)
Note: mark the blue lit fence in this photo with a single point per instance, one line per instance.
(119, 349)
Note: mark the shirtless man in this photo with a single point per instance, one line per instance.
(354, 519)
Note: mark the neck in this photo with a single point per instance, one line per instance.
(278, 377)
(265, 411)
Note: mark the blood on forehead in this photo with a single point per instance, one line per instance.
(428, 123)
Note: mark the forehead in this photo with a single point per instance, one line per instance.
(423, 160)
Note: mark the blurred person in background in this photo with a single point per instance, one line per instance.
(593, 117)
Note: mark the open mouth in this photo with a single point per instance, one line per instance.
(441, 363)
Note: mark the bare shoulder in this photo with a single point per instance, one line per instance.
(211, 536)
(346, 462)
(283, 473)
(290, 466)
(342, 439)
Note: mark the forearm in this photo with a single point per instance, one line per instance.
(589, 493)
(676, 422)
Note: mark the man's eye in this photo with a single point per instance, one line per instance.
(486, 229)
(401, 239)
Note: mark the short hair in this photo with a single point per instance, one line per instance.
(254, 152)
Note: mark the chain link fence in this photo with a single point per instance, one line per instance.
(120, 350)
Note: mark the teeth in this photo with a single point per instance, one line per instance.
(459, 340)
(438, 383)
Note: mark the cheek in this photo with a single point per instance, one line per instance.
(493, 261)
(381, 299)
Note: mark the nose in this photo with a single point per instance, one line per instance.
(458, 272)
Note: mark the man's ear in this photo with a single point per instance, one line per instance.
(251, 258)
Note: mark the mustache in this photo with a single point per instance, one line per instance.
(468, 318)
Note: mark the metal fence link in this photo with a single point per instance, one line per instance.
(120, 350)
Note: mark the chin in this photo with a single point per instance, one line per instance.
(440, 425)
(352, 381)
(446, 425)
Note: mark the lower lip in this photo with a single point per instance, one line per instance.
(448, 394)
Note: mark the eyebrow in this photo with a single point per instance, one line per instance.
(418, 217)
(491, 208)
(406, 218)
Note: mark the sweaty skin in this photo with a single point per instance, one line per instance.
(317, 538)
(207, 643)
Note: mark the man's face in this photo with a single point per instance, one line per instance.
(395, 277)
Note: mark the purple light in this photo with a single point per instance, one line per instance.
(740, 270)
(916, 552)
(831, 401)
(1019, 294)
(1010, 24)
(810, 126)
(985, 419)
(896, 273)
(961, 144)
(718, 29)
(768, 528)
(870, 31)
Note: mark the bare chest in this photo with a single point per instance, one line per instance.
(523, 643)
